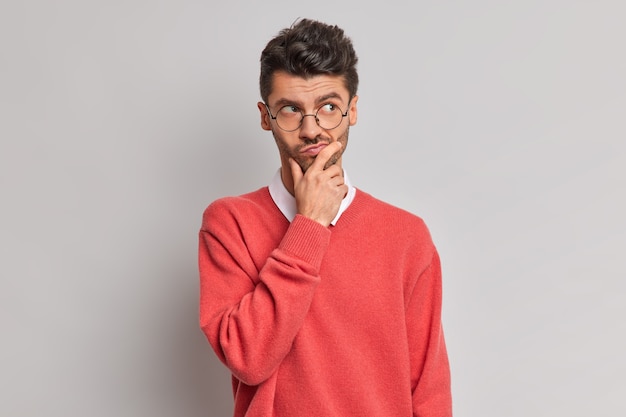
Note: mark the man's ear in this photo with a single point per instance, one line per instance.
(352, 111)
(265, 116)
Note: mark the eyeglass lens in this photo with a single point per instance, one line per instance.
(328, 117)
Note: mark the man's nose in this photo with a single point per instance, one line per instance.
(309, 129)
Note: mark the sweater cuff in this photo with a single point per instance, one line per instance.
(307, 240)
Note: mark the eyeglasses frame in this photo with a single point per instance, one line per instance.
(317, 120)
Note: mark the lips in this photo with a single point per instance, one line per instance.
(313, 150)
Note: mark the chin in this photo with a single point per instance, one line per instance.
(332, 161)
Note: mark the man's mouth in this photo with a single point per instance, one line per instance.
(313, 150)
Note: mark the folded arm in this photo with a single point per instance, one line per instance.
(251, 317)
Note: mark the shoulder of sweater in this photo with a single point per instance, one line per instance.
(236, 206)
(393, 219)
(383, 208)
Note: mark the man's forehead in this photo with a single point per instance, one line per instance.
(311, 89)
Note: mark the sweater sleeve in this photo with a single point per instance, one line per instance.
(251, 317)
(430, 370)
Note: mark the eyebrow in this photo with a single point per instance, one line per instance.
(286, 102)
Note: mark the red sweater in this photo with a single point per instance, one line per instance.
(324, 322)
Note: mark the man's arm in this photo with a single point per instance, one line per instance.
(430, 369)
(249, 317)
(250, 322)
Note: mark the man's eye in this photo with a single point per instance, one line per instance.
(289, 109)
(328, 108)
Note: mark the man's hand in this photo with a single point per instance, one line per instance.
(319, 191)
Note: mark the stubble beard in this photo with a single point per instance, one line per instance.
(304, 161)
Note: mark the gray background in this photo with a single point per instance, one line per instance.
(502, 124)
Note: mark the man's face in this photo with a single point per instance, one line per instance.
(307, 96)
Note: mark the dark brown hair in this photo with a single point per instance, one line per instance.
(306, 49)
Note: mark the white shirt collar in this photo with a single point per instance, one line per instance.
(287, 203)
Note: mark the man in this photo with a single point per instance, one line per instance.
(320, 299)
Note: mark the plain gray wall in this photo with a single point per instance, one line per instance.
(502, 124)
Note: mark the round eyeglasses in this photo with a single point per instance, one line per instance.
(290, 117)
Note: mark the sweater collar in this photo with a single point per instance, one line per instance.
(286, 203)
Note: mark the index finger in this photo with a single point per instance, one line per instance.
(325, 154)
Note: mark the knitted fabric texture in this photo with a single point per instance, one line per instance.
(316, 321)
